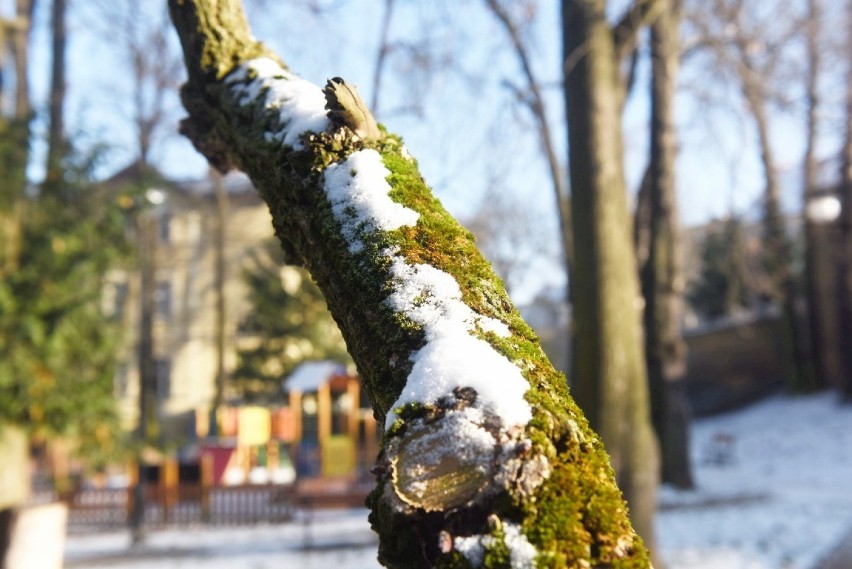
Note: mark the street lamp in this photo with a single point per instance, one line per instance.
(147, 243)
(823, 208)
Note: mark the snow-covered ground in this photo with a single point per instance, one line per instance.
(782, 501)
(334, 540)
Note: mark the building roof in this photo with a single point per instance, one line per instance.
(236, 184)
(309, 376)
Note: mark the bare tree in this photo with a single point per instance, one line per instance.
(508, 234)
(845, 271)
(15, 33)
(385, 49)
(661, 272)
(608, 371)
(817, 333)
(531, 95)
(486, 460)
(154, 66)
(750, 46)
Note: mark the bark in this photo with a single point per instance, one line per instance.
(845, 269)
(459, 483)
(662, 273)
(608, 368)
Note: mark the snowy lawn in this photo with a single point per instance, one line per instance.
(782, 501)
(339, 539)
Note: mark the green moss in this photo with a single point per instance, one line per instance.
(452, 560)
(405, 414)
(578, 514)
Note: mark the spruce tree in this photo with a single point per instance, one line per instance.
(57, 345)
(289, 323)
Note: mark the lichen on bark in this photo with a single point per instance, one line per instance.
(534, 493)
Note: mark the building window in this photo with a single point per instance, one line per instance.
(120, 292)
(121, 383)
(163, 299)
(163, 372)
(164, 223)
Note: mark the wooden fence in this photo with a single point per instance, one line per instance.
(193, 504)
(184, 505)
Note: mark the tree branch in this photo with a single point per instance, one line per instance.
(640, 14)
(485, 459)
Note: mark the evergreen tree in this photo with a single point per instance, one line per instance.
(289, 321)
(608, 368)
(721, 286)
(57, 347)
(56, 243)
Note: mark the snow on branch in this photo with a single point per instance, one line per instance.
(486, 460)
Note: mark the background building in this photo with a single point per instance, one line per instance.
(183, 248)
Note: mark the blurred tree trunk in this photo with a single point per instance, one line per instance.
(56, 144)
(523, 492)
(608, 370)
(754, 77)
(661, 273)
(781, 284)
(14, 131)
(221, 240)
(845, 270)
(18, 32)
(14, 474)
(818, 333)
(147, 426)
(757, 48)
(14, 154)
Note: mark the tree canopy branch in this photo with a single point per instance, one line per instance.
(486, 460)
(640, 14)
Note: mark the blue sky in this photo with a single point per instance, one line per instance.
(468, 134)
(458, 132)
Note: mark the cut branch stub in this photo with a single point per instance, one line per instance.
(431, 474)
(345, 107)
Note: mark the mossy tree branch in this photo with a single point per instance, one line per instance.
(465, 478)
